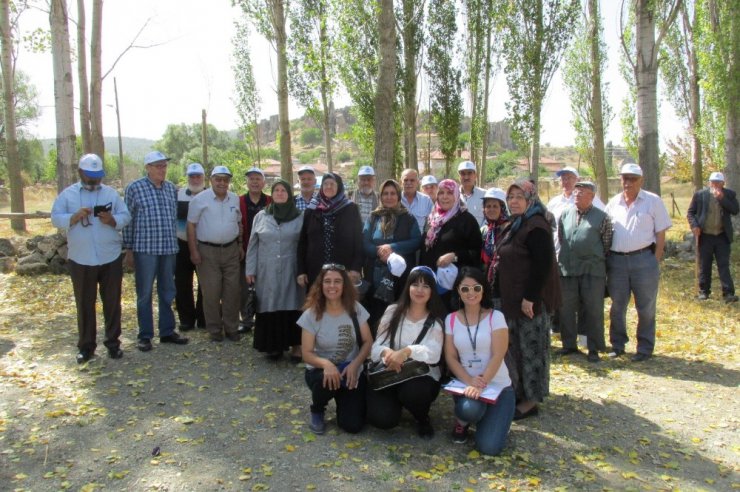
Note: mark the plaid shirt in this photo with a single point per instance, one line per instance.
(153, 226)
(301, 203)
(605, 230)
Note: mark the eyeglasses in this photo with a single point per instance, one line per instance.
(477, 288)
(333, 266)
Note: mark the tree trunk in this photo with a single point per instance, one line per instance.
(385, 95)
(82, 78)
(599, 159)
(326, 104)
(63, 94)
(286, 162)
(121, 166)
(534, 151)
(646, 76)
(410, 28)
(486, 97)
(204, 137)
(96, 82)
(11, 140)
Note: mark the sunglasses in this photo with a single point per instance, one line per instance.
(477, 288)
(333, 266)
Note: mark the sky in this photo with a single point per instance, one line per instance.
(185, 67)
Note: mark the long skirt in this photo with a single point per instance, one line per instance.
(276, 331)
(528, 358)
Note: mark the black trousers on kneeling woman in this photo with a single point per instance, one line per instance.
(415, 395)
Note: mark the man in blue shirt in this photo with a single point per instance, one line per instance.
(150, 243)
(417, 203)
(93, 215)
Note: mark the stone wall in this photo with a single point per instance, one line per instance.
(34, 256)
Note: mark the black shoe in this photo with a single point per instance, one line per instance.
(244, 328)
(144, 344)
(425, 429)
(703, 296)
(275, 355)
(460, 433)
(83, 356)
(640, 357)
(115, 353)
(186, 327)
(174, 338)
(616, 353)
(593, 356)
(296, 359)
(216, 338)
(234, 337)
(568, 351)
(532, 412)
(728, 298)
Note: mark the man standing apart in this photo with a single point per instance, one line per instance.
(429, 187)
(585, 238)
(417, 203)
(189, 311)
(150, 244)
(214, 237)
(640, 220)
(250, 204)
(471, 195)
(365, 195)
(709, 218)
(307, 178)
(93, 215)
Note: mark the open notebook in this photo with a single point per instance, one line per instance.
(489, 395)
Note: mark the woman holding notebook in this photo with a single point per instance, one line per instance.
(476, 340)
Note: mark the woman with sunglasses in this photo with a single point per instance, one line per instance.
(476, 340)
(418, 306)
(528, 281)
(331, 233)
(333, 351)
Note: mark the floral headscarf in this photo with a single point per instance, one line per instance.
(439, 217)
(326, 205)
(388, 216)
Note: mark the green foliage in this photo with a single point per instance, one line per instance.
(679, 157)
(502, 165)
(311, 136)
(182, 139)
(27, 109)
(248, 100)
(310, 155)
(344, 156)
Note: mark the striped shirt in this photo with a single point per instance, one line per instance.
(153, 226)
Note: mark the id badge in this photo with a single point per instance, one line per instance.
(474, 362)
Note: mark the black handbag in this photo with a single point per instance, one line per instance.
(380, 377)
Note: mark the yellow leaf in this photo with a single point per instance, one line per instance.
(421, 474)
(473, 454)
(310, 486)
(290, 448)
(472, 480)
(534, 481)
(628, 475)
(20, 476)
(245, 477)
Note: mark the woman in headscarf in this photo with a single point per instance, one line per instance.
(452, 235)
(390, 228)
(526, 278)
(331, 233)
(495, 215)
(271, 266)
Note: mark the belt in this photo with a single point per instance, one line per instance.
(224, 245)
(635, 252)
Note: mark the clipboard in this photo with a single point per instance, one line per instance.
(489, 394)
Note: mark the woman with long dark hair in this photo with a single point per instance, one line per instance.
(336, 341)
(418, 307)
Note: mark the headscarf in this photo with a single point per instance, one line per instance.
(283, 212)
(491, 236)
(534, 206)
(388, 216)
(330, 206)
(439, 217)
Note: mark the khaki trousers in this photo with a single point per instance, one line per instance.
(218, 274)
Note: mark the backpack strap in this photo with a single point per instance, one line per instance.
(358, 335)
(427, 324)
(452, 321)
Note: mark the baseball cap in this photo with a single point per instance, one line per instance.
(496, 193)
(428, 180)
(717, 176)
(194, 168)
(92, 166)
(586, 184)
(221, 170)
(446, 278)
(466, 166)
(154, 156)
(309, 169)
(254, 170)
(366, 171)
(396, 264)
(631, 168)
(567, 169)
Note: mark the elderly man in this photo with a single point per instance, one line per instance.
(709, 218)
(214, 237)
(307, 178)
(189, 311)
(471, 195)
(417, 203)
(429, 187)
(93, 215)
(150, 246)
(639, 220)
(585, 239)
(365, 195)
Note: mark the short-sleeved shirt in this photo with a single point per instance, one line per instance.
(420, 208)
(474, 361)
(474, 203)
(217, 221)
(184, 196)
(335, 335)
(635, 226)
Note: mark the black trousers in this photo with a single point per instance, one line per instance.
(415, 395)
(350, 403)
(715, 247)
(86, 280)
(189, 311)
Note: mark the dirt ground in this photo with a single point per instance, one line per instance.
(211, 416)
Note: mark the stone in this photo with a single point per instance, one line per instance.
(58, 266)
(34, 257)
(32, 243)
(7, 263)
(689, 236)
(7, 248)
(63, 251)
(686, 256)
(49, 244)
(32, 268)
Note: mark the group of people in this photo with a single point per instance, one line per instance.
(390, 275)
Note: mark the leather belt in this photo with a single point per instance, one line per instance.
(224, 245)
(635, 252)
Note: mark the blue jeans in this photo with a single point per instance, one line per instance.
(492, 421)
(639, 275)
(147, 268)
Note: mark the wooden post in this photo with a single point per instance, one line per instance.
(204, 138)
(121, 167)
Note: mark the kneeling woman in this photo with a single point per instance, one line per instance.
(476, 340)
(335, 342)
(398, 334)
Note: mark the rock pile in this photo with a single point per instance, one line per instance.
(34, 256)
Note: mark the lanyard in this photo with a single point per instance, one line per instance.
(473, 339)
